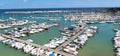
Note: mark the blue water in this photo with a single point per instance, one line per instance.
(99, 45)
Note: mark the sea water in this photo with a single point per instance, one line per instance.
(99, 45)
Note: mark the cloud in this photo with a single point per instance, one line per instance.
(25, 1)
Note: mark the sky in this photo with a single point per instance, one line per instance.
(15, 4)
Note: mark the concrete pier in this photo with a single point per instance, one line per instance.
(69, 40)
(38, 46)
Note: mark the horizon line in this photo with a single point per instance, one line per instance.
(61, 8)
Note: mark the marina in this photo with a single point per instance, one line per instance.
(38, 46)
(101, 43)
(116, 42)
(64, 34)
(35, 45)
(11, 23)
(61, 53)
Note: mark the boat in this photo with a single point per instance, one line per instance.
(94, 27)
(1, 20)
(29, 40)
(2, 38)
(118, 52)
(3, 26)
(27, 48)
(102, 22)
(71, 48)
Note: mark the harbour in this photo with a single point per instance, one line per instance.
(99, 41)
(101, 44)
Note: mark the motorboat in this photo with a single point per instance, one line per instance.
(2, 38)
(29, 40)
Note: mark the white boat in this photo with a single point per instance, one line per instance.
(6, 41)
(29, 40)
(32, 32)
(34, 51)
(23, 35)
(40, 29)
(50, 45)
(71, 49)
(94, 27)
(89, 34)
(118, 52)
(2, 26)
(2, 20)
(2, 38)
(27, 48)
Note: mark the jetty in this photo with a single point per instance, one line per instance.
(69, 40)
(40, 46)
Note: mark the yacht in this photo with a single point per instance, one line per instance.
(27, 48)
(29, 40)
(2, 38)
